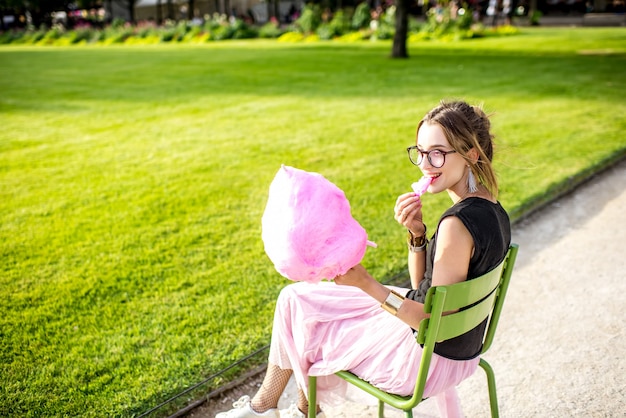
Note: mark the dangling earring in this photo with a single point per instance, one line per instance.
(471, 181)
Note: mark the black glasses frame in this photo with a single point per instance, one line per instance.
(421, 156)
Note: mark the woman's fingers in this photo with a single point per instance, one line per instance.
(408, 209)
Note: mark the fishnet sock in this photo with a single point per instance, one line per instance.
(272, 388)
(303, 403)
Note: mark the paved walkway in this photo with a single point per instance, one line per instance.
(560, 349)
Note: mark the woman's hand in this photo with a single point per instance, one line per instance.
(357, 276)
(408, 213)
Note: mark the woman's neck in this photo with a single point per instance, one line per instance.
(481, 193)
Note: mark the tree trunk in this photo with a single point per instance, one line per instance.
(170, 10)
(191, 5)
(402, 27)
(159, 13)
(533, 19)
(277, 10)
(108, 11)
(131, 10)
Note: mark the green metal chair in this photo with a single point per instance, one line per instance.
(482, 297)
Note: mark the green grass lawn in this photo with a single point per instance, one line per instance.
(133, 181)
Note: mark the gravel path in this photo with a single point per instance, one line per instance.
(560, 349)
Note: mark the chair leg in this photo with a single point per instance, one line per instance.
(312, 396)
(491, 384)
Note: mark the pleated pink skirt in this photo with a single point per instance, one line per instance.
(322, 328)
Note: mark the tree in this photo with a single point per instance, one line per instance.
(130, 6)
(532, 13)
(170, 10)
(273, 9)
(191, 4)
(36, 11)
(8, 7)
(402, 28)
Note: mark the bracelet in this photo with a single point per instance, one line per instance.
(417, 244)
(393, 302)
(419, 249)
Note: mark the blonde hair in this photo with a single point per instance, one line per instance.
(466, 127)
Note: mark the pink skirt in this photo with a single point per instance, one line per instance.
(322, 328)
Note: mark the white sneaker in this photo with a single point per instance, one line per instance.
(242, 409)
(294, 412)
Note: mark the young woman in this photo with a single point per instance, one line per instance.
(358, 324)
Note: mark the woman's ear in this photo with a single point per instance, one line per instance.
(473, 155)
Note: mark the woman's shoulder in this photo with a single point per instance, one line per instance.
(478, 211)
(472, 204)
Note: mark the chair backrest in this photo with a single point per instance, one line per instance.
(476, 300)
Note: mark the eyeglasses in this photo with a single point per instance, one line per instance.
(436, 158)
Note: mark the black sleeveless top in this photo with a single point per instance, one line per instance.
(489, 225)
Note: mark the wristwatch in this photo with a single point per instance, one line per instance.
(416, 244)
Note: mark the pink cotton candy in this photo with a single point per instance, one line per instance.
(421, 186)
(307, 228)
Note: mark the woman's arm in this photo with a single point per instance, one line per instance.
(417, 267)
(410, 311)
(408, 213)
(455, 246)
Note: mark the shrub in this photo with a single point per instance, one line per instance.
(535, 17)
(337, 26)
(241, 30)
(202, 37)
(23, 37)
(446, 23)
(311, 38)
(356, 36)
(291, 37)
(325, 32)
(83, 35)
(174, 32)
(507, 30)
(340, 23)
(118, 23)
(181, 30)
(361, 17)
(117, 35)
(442, 23)
(168, 35)
(222, 32)
(147, 30)
(310, 18)
(192, 33)
(386, 24)
(214, 22)
(464, 19)
(270, 30)
(51, 36)
(220, 28)
(8, 37)
(414, 25)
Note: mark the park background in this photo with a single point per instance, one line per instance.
(134, 178)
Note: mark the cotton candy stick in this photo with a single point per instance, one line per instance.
(421, 186)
